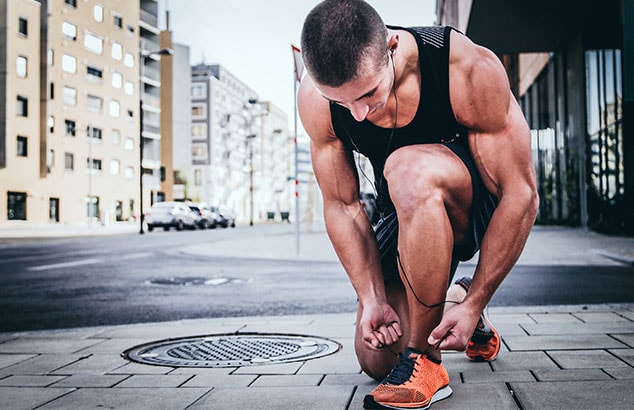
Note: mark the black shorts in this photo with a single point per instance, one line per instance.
(483, 206)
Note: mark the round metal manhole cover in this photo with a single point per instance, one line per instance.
(232, 350)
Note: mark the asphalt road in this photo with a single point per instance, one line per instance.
(90, 281)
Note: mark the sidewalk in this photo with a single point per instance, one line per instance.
(562, 357)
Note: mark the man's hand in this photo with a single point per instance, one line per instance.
(380, 326)
(455, 329)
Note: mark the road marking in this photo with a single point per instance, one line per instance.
(81, 262)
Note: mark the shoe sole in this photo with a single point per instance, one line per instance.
(445, 392)
(495, 354)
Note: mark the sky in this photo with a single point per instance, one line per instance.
(252, 38)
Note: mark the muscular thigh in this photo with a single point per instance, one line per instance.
(417, 173)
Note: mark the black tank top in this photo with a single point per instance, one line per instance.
(434, 121)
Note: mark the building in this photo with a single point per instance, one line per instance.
(571, 66)
(69, 148)
(240, 147)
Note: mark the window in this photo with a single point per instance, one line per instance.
(198, 177)
(128, 60)
(23, 26)
(69, 64)
(23, 106)
(50, 57)
(115, 108)
(117, 21)
(72, 3)
(69, 31)
(115, 137)
(198, 111)
(93, 132)
(51, 91)
(198, 131)
(129, 144)
(51, 124)
(93, 43)
(92, 206)
(97, 13)
(114, 167)
(117, 51)
(93, 164)
(69, 128)
(22, 146)
(94, 103)
(69, 161)
(16, 206)
(129, 88)
(199, 151)
(69, 95)
(94, 71)
(129, 172)
(117, 80)
(21, 66)
(198, 91)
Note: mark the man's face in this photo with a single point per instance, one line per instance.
(366, 95)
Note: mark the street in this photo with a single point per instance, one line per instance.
(129, 278)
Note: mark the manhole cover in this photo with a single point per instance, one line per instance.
(232, 350)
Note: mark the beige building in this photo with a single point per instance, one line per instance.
(69, 142)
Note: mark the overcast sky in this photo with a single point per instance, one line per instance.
(252, 38)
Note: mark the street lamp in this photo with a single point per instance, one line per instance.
(250, 137)
(143, 56)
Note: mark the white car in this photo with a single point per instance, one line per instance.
(170, 214)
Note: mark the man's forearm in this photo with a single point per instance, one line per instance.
(354, 242)
(502, 246)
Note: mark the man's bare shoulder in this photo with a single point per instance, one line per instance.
(314, 112)
(479, 87)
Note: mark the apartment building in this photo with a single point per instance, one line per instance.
(69, 142)
(570, 66)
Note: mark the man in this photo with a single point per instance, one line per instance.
(453, 172)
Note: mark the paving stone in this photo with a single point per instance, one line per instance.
(475, 376)
(28, 398)
(154, 380)
(113, 346)
(11, 359)
(42, 364)
(578, 328)
(509, 318)
(561, 342)
(542, 318)
(587, 359)
(133, 398)
(210, 380)
(601, 394)
(288, 380)
(281, 368)
(137, 368)
(45, 345)
(30, 381)
(359, 379)
(601, 317)
(624, 354)
(523, 361)
(621, 373)
(90, 380)
(344, 361)
(570, 375)
(627, 338)
(266, 398)
(93, 364)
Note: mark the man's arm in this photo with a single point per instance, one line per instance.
(346, 222)
(499, 140)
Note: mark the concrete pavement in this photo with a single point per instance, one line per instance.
(560, 357)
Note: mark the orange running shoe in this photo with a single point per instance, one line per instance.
(415, 383)
(485, 342)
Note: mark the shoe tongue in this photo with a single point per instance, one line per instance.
(412, 353)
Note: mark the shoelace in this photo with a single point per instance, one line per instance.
(402, 372)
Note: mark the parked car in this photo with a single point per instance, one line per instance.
(226, 218)
(206, 217)
(168, 215)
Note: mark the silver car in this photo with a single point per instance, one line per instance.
(170, 214)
